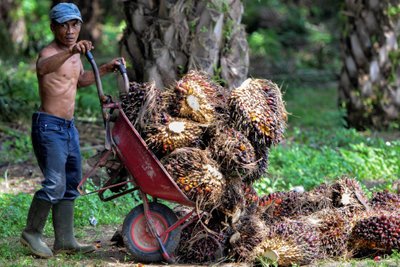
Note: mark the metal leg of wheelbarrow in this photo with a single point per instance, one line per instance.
(150, 224)
(101, 161)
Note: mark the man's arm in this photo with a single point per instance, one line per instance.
(49, 62)
(87, 77)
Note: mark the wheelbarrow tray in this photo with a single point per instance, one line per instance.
(147, 171)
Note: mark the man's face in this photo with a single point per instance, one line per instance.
(67, 33)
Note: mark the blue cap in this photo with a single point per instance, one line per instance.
(63, 12)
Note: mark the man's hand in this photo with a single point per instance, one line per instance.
(113, 64)
(81, 47)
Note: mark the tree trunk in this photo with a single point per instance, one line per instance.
(12, 28)
(369, 87)
(165, 39)
(91, 13)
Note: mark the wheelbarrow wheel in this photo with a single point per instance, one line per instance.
(138, 238)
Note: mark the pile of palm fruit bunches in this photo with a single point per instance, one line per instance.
(215, 144)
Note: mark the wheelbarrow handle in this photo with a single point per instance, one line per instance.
(102, 98)
(124, 74)
(97, 78)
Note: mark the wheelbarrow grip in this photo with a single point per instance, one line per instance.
(121, 66)
(89, 56)
(124, 74)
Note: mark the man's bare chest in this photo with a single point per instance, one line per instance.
(71, 69)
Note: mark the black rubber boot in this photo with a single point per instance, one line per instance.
(63, 223)
(32, 234)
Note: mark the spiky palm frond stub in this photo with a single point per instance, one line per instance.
(142, 104)
(196, 174)
(195, 97)
(288, 243)
(174, 133)
(348, 192)
(257, 109)
(377, 233)
(233, 151)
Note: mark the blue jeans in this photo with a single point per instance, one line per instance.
(56, 145)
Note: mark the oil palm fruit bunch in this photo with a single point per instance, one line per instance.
(257, 109)
(195, 97)
(333, 228)
(385, 201)
(377, 233)
(233, 151)
(278, 205)
(196, 174)
(270, 199)
(173, 133)
(289, 243)
(142, 104)
(251, 198)
(202, 242)
(320, 197)
(314, 201)
(247, 234)
(323, 189)
(348, 192)
(233, 200)
(261, 165)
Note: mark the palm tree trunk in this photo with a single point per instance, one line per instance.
(369, 87)
(165, 39)
(12, 28)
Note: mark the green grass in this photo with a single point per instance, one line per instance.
(13, 212)
(314, 108)
(15, 149)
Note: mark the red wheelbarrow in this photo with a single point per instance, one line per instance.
(151, 231)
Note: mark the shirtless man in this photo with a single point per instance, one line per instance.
(54, 136)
